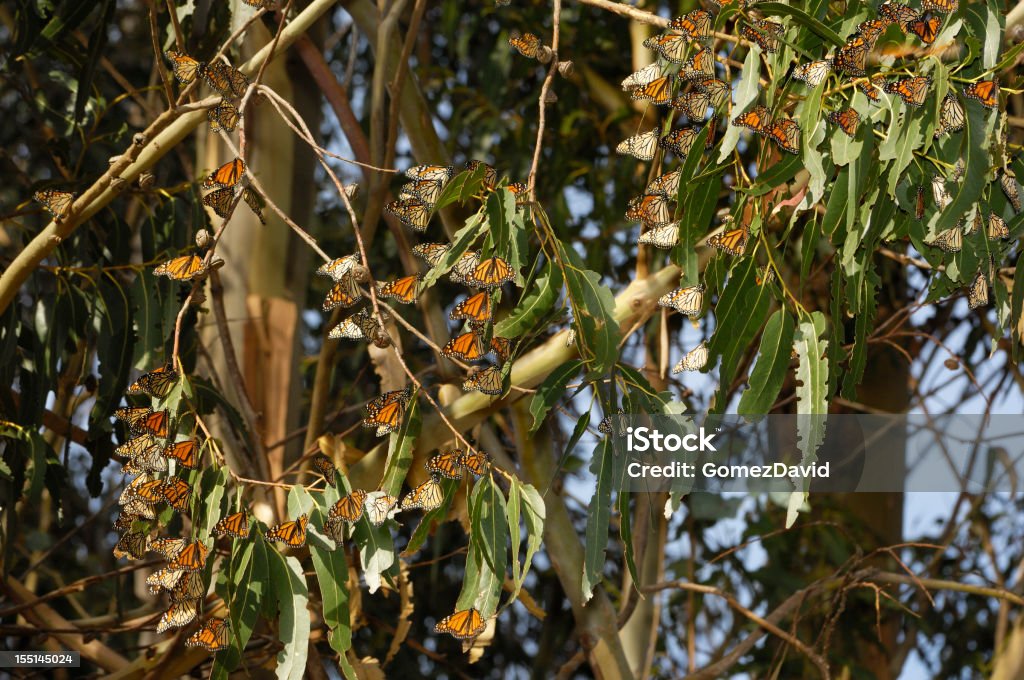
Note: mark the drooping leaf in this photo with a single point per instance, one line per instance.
(772, 363)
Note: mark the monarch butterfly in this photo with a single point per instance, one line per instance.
(642, 77)
(426, 190)
(134, 506)
(671, 47)
(667, 184)
(665, 236)
(149, 460)
(949, 240)
(527, 44)
(733, 241)
(984, 91)
(131, 545)
(361, 326)
(847, 119)
(813, 73)
(487, 380)
(183, 268)
(227, 80)
(757, 119)
(403, 290)
(490, 174)
(157, 383)
(975, 224)
(151, 491)
(785, 133)
(926, 28)
(263, 4)
(718, 90)
(919, 204)
(132, 414)
(463, 625)
(430, 252)
(255, 203)
(951, 115)
(348, 508)
(179, 614)
(851, 56)
(412, 212)
(191, 558)
(185, 452)
(1008, 182)
(380, 507)
(694, 360)
(651, 209)
(474, 308)
(694, 104)
(189, 587)
(215, 633)
(911, 90)
(679, 142)
(997, 227)
(386, 411)
(339, 268)
(325, 466)
(235, 525)
(898, 13)
(137, 445)
(437, 173)
(944, 6)
(429, 495)
(940, 193)
(605, 426)
(764, 276)
(469, 347)
(700, 66)
(501, 348)
(447, 464)
(977, 293)
(344, 293)
(57, 203)
(872, 29)
(163, 579)
(686, 301)
(696, 25)
(657, 91)
(221, 201)
(465, 267)
(177, 493)
(292, 533)
(491, 273)
(765, 33)
(870, 89)
(155, 424)
(131, 489)
(223, 116)
(184, 67)
(476, 462)
(226, 175)
(519, 190)
(641, 146)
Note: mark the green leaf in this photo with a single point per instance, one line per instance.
(626, 536)
(812, 383)
(400, 445)
(593, 309)
(376, 552)
(974, 151)
(293, 623)
(801, 17)
(330, 566)
(212, 485)
(247, 585)
(551, 390)
(490, 527)
(534, 306)
(461, 243)
(432, 518)
(463, 186)
(598, 518)
(745, 94)
(772, 364)
(865, 323)
(741, 310)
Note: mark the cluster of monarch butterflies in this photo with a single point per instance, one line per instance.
(149, 453)
(225, 182)
(225, 79)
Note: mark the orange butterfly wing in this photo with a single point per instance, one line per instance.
(226, 175)
(468, 347)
